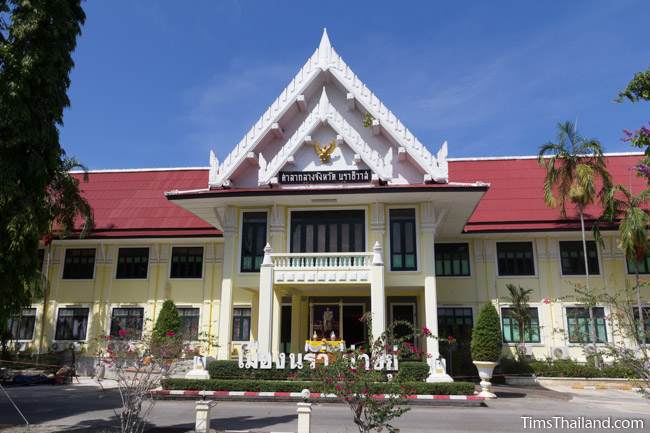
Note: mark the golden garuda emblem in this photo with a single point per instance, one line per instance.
(325, 152)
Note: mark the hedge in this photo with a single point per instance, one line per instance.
(563, 368)
(410, 371)
(413, 371)
(452, 388)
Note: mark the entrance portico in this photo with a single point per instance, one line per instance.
(329, 195)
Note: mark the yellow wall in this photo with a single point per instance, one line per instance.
(104, 291)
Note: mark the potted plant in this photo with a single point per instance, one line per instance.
(486, 346)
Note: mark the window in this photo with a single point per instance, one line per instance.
(452, 260)
(253, 241)
(327, 231)
(189, 323)
(510, 326)
(79, 263)
(515, 258)
(402, 240)
(21, 326)
(127, 320)
(573, 258)
(71, 324)
(187, 262)
(579, 324)
(241, 324)
(132, 263)
(455, 322)
(643, 266)
(646, 321)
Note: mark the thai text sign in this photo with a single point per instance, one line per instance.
(331, 176)
(257, 360)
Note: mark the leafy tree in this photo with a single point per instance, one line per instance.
(168, 323)
(638, 89)
(632, 233)
(573, 170)
(520, 311)
(486, 335)
(37, 192)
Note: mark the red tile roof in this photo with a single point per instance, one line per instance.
(515, 200)
(133, 204)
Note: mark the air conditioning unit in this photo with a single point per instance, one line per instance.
(560, 352)
(590, 350)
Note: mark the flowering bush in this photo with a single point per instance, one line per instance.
(351, 375)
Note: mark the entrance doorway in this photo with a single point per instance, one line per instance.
(354, 330)
(456, 322)
(285, 329)
(403, 312)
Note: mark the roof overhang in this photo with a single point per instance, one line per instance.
(457, 201)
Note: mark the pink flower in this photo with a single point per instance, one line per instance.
(426, 331)
(122, 332)
(170, 333)
(546, 301)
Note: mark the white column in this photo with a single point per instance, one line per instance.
(304, 417)
(265, 311)
(430, 220)
(377, 292)
(225, 302)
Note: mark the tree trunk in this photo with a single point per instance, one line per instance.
(642, 338)
(592, 321)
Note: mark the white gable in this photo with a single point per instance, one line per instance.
(327, 102)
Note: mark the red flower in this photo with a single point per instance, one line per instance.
(426, 331)
(170, 333)
(547, 301)
(122, 332)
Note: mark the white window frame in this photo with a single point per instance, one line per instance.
(496, 259)
(117, 258)
(171, 257)
(418, 250)
(88, 322)
(241, 235)
(559, 260)
(65, 252)
(36, 320)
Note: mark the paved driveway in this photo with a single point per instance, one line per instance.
(85, 409)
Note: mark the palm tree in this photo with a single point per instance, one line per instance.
(632, 233)
(520, 311)
(574, 167)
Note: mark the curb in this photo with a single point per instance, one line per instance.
(446, 400)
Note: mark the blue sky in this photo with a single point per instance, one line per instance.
(159, 83)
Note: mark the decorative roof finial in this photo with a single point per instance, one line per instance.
(324, 41)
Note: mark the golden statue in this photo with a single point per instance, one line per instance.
(325, 153)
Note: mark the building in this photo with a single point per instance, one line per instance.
(329, 207)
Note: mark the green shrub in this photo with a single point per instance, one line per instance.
(486, 335)
(413, 371)
(453, 388)
(168, 321)
(231, 370)
(563, 368)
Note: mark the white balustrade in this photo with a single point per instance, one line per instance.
(321, 267)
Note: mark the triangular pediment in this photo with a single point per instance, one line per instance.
(326, 101)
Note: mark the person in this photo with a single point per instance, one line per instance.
(328, 318)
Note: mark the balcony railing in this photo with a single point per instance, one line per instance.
(321, 267)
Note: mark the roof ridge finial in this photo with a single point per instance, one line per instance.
(324, 50)
(324, 40)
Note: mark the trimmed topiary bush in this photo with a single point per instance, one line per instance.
(168, 322)
(486, 335)
(413, 371)
(453, 388)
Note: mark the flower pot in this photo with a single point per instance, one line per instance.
(485, 369)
